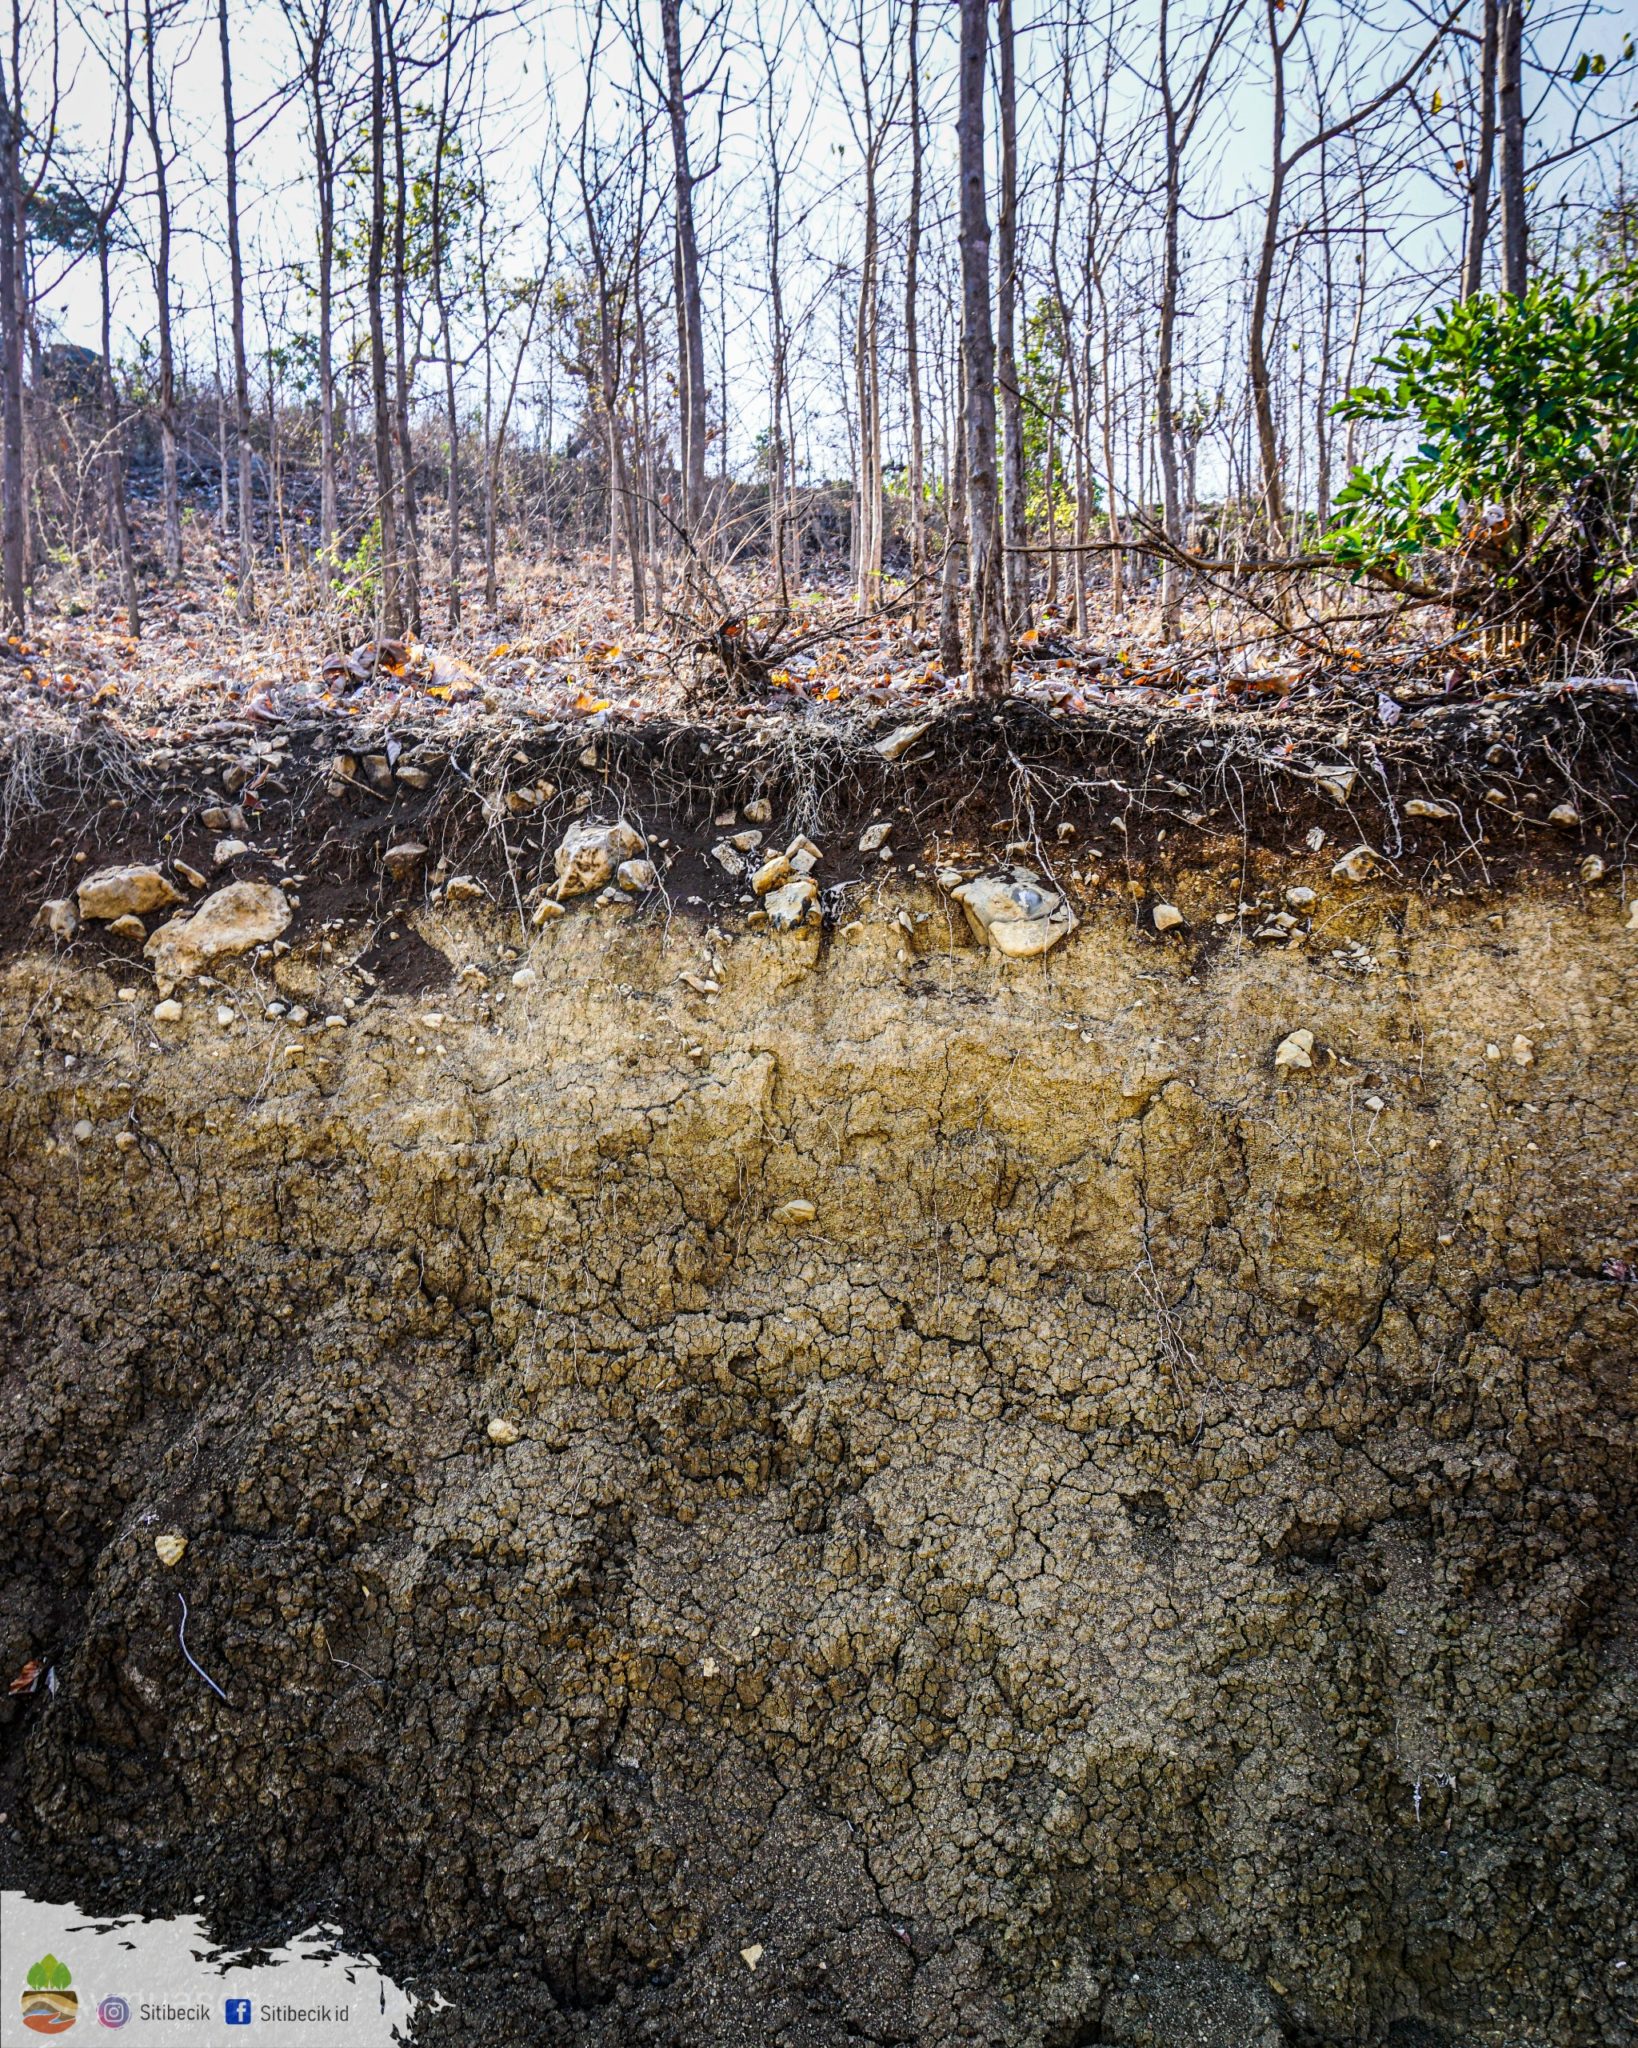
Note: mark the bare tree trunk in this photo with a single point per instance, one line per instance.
(113, 456)
(241, 369)
(1510, 106)
(172, 514)
(690, 320)
(987, 626)
(1478, 207)
(13, 494)
(955, 543)
(1175, 141)
(912, 360)
(1015, 563)
(410, 537)
(392, 611)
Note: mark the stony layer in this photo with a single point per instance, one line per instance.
(1148, 1562)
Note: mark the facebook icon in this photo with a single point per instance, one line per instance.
(238, 2012)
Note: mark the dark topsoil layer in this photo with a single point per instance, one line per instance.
(1148, 789)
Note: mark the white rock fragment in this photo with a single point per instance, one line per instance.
(1592, 869)
(1315, 838)
(503, 1432)
(901, 739)
(795, 1212)
(751, 1956)
(1492, 1052)
(1167, 917)
(1524, 1050)
(126, 995)
(1422, 807)
(745, 842)
(83, 1131)
(589, 854)
(634, 876)
(117, 892)
(231, 921)
(125, 1141)
(1565, 815)
(759, 811)
(225, 1015)
(1296, 1049)
(1632, 916)
(701, 984)
(403, 859)
(1355, 865)
(1300, 898)
(789, 906)
(170, 1549)
(192, 876)
(1337, 780)
(169, 1011)
(874, 837)
(773, 874)
(463, 889)
(546, 910)
(1015, 912)
(525, 977)
(59, 917)
(727, 859)
(226, 850)
(433, 1020)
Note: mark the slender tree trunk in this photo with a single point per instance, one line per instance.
(987, 626)
(1262, 389)
(1166, 334)
(1510, 108)
(116, 510)
(1015, 564)
(172, 513)
(955, 544)
(113, 458)
(392, 610)
(410, 537)
(13, 489)
(690, 319)
(241, 368)
(324, 172)
(912, 360)
(1478, 208)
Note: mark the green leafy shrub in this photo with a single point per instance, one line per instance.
(1520, 506)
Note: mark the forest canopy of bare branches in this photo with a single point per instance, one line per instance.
(998, 320)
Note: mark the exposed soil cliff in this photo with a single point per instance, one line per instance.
(1148, 1560)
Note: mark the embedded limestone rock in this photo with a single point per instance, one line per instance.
(590, 854)
(119, 892)
(231, 921)
(1015, 912)
(59, 917)
(789, 906)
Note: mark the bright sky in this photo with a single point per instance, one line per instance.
(529, 93)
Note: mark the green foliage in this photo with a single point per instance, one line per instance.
(1043, 382)
(1520, 498)
(49, 1975)
(356, 578)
